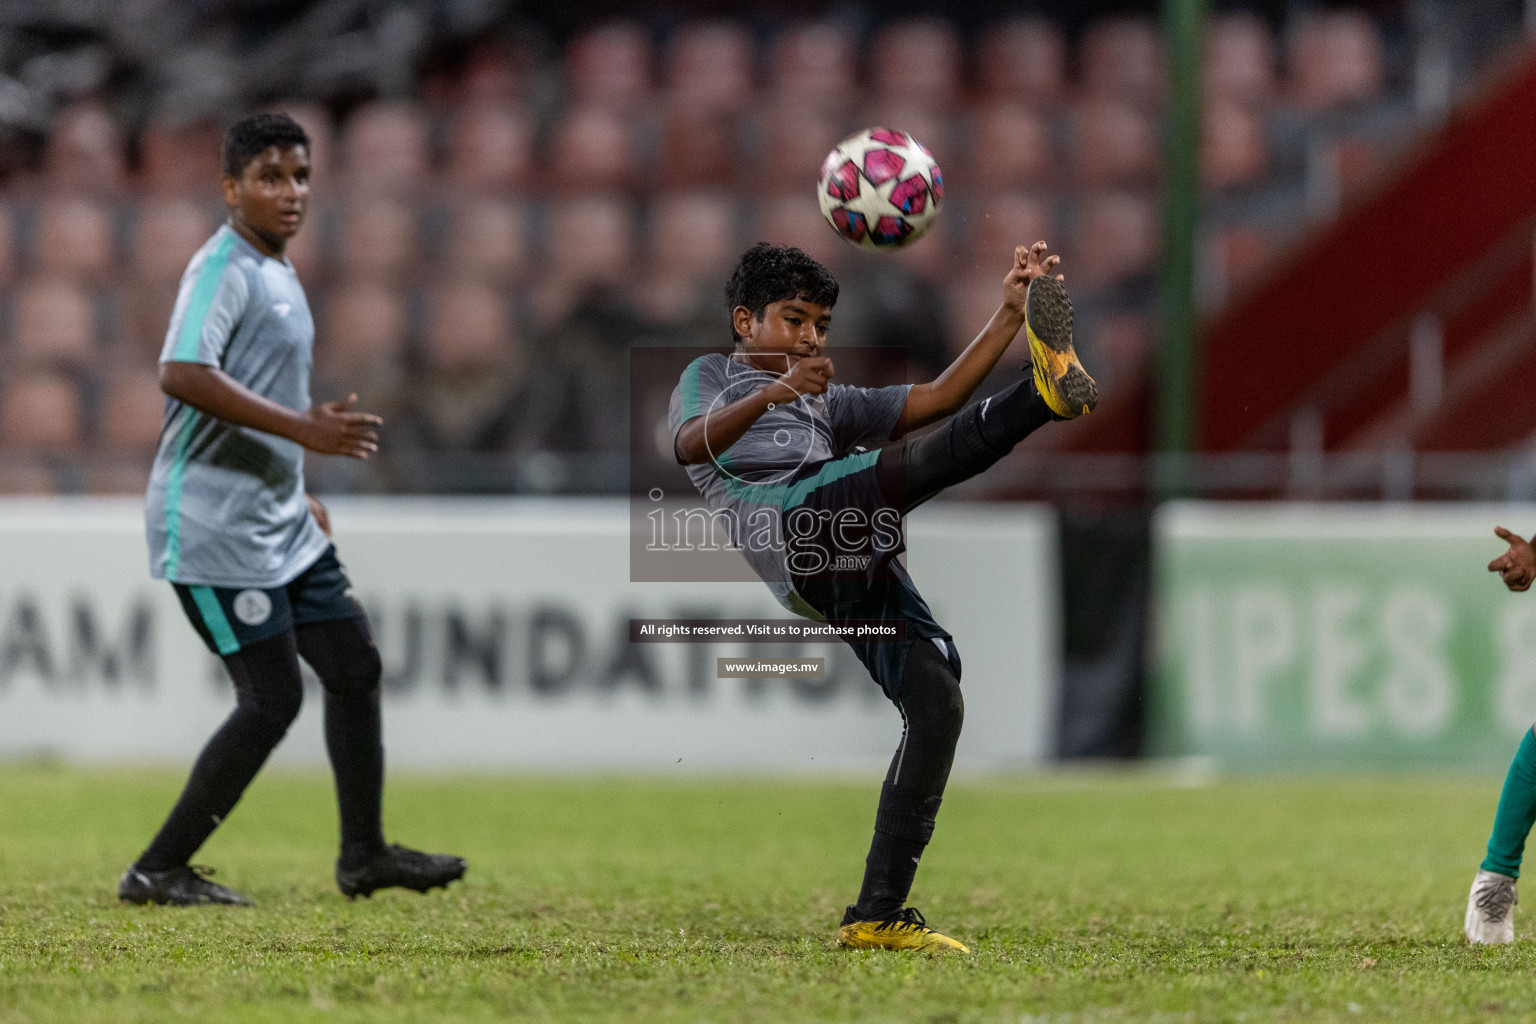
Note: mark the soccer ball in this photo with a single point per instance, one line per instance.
(880, 189)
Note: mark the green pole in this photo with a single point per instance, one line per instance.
(1177, 412)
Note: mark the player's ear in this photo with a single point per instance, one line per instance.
(231, 189)
(741, 318)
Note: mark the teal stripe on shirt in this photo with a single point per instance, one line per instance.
(203, 291)
(215, 619)
(788, 496)
(690, 403)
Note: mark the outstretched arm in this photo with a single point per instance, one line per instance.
(704, 437)
(330, 428)
(949, 391)
(1517, 566)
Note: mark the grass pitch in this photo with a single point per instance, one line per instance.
(1083, 899)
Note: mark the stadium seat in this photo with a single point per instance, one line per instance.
(1113, 144)
(812, 66)
(74, 240)
(363, 329)
(307, 250)
(1010, 147)
(168, 232)
(1335, 58)
(490, 149)
(1023, 60)
(378, 241)
(1116, 239)
(1234, 150)
(7, 243)
(1123, 341)
(496, 74)
(55, 324)
(1239, 59)
(316, 122)
(790, 220)
(385, 149)
(593, 151)
(180, 159)
(915, 61)
(468, 328)
(41, 412)
(609, 66)
(692, 245)
(710, 65)
(118, 475)
(132, 412)
(700, 146)
(999, 222)
(26, 478)
(1122, 58)
(792, 142)
(591, 243)
(84, 153)
(486, 240)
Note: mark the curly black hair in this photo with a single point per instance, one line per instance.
(250, 136)
(771, 273)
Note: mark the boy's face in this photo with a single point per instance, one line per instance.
(271, 194)
(789, 330)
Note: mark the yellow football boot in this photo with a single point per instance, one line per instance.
(906, 930)
(1059, 377)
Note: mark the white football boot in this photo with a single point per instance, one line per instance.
(1491, 909)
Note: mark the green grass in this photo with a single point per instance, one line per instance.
(1084, 899)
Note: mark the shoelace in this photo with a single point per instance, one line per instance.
(908, 916)
(1495, 900)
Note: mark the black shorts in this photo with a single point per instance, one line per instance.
(230, 618)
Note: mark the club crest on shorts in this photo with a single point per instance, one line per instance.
(252, 607)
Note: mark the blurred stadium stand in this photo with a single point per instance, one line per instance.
(504, 205)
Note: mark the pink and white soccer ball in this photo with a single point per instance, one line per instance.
(880, 189)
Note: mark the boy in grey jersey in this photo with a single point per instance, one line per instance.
(248, 551)
(770, 441)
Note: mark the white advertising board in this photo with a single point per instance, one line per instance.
(503, 627)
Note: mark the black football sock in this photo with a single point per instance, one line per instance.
(268, 691)
(971, 442)
(343, 655)
(933, 711)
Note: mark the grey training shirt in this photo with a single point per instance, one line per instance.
(226, 505)
(782, 457)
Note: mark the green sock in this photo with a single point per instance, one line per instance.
(1517, 812)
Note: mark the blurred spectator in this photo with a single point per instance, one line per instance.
(811, 67)
(593, 151)
(576, 397)
(180, 159)
(1122, 59)
(710, 66)
(610, 67)
(916, 62)
(85, 153)
(486, 240)
(1113, 144)
(1335, 58)
(74, 241)
(1010, 147)
(40, 412)
(490, 149)
(1239, 59)
(55, 325)
(379, 241)
(1233, 148)
(385, 149)
(1023, 60)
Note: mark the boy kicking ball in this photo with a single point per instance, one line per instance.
(765, 432)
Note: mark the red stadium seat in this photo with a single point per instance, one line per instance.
(85, 152)
(594, 151)
(1335, 58)
(118, 475)
(306, 250)
(700, 146)
(792, 143)
(692, 242)
(180, 159)
(790, 220)
(468, 328)
(26, 479)
(7, 243)
(592, 243)
(1122, 58)
(1010, 147)
(710, 64)
(169, 231)
(363, 329)
(1240, 59)
(144, 319)
(496, 74)
(132, 412)
(40, 411)
(1023, 60)
(55, 324)
(486, 240)
(1116, 239)
(379, 241)
(1113, 144)
(609, 66)
(316, 122)
(916, 61)
(812, 66)
(1234, 150)
(490, 149)
(385, 148)
(1124, 342)
(1001, 222)
(74, 240)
